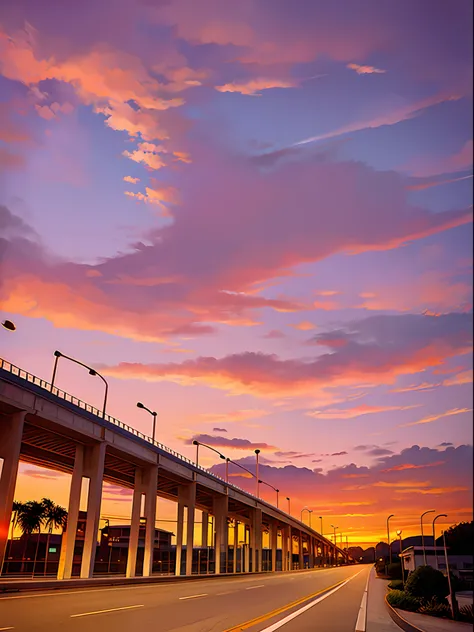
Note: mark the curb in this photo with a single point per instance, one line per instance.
(399, 620)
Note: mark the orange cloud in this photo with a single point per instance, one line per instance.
(434, 291)
(148, 154)
(412, 466)
(304, 326)
(365, 70)
(465, 377)
(131, 180)
(161, 197)
(431, 418)
(254, 86)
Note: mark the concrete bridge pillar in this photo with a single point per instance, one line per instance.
(68, 539)
(236, 545)
(145, 484)
(256, 540)
(94, 459)
(300, 551)
(135, 524)
(186, 498)
(220, 509)
(150, 484)
(11, 433)
(286, 547)
(274, 544)
(204, 528)
(247, 549)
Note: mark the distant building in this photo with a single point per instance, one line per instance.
(41, 552)
(459, 565)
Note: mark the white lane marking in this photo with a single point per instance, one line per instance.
(58, 592)
(362, 616)
(87, 614)
(10, 628)
(252, 587)
(227, 592)
(297, 613)
(194, 596)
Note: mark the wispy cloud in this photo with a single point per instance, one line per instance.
(431, 418)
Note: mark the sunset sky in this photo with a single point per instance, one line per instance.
(254, 217)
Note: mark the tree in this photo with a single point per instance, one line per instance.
(427, 583)
(55, 517)
(30, 519)
(459, 539)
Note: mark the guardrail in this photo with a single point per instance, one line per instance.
(75, 401)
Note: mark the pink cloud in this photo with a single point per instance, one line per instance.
(131, 180)
(253, 87)
(365, 70)
(224, 442)
(417, 342)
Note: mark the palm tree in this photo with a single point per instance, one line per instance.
(55, 517)
(30, 519)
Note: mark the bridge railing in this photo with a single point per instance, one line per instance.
(75, 401)
(33, 379)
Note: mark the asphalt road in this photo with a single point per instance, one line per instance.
(325, 600)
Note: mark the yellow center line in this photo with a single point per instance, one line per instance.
(274, 613)
(86, 614)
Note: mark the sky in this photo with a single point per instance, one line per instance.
(255, 218)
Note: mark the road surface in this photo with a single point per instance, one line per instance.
(325, 600)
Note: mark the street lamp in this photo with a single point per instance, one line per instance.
(198, 443)
(274, 488)
(289, 506)
(434, 541)
(238, 465)
(257, 452)
(310, 511)
(388, 538)
(422, 534)
(399, 533)
(321, 518)
(92, 371)
(140, 405)
(7, 324)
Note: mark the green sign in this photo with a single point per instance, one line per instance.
(52, 549)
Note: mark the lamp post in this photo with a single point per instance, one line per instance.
(451, 594)
(399, 534)
(289, 506)
(274, 488)
(321, 518)
(310, 511)
(92, 371)
(257, 452)
(198, 443)
(422, 534)
(434, 541)
(140, 405)
(238, 465)
(8, 325)
(388, 538)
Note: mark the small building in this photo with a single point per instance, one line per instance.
(459, 565)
